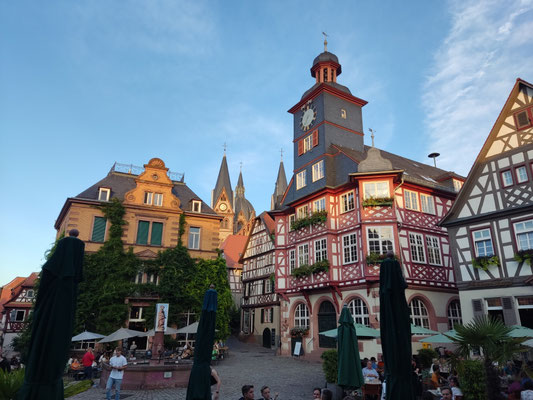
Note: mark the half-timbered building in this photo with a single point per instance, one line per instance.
(17, 309)
(346, 206)
(260, 305)
(491, 223)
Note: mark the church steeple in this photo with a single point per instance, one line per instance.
(239, 189)
(244, 211)
(279, 188)
(223, 184)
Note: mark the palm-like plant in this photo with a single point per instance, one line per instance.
(491, 337)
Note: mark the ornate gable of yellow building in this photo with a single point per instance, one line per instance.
(153, 187)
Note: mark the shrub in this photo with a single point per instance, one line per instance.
(426, 357)
(472, 379)
(329, 365)
(10, 383)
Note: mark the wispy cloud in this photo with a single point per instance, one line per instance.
(488, 46)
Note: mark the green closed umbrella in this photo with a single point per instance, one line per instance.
(53, 320)
(350, 374)
(199, 387)
(395, 331)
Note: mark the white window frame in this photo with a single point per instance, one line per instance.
(302, 212)
(480, 239)
(507, 178)
(359, 311)
(30, 292)
(308, 143)
(303, 254)
(433, 250)
(371, 189)
(148, 198)
(101, 192)
(520, 179)
(321, 249)
(292, 218)
(410, 199)
(268, 286)
(416, 248)
(292, 260)
(380, 230)
(454, 314)
(318, 170)
(347, 201)
(349, 248)
(15, 313)
(195, 236)
(196, 206)
(525, 231)
(419, 313)
(301, 316)
(301, 179)
(427, 203)
(319, 205)
(457, 185)
(158, 199)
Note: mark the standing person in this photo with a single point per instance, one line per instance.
(265, 392)
(215, 379)
(247, 392)
(118, 365)
(87, 362)
(316, 393)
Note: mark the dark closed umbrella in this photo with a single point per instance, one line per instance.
(199, 387)
(350, 374)
(53, 320)
(395, 331)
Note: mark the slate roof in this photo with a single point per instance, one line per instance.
(120, 183)
(280, 187)
(241, 203)
(223, 181)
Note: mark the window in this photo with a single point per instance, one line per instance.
(196, 206)
(301, 316)
(525, 311)
(416, 244)
(318, 170)
(303, 254)
(292, 218)
(17, 315)
(433, 246)
(524, 234)
(521, 174)
(148, 197)
(139, 277)
(302, 212)
(292, 260)
(321, 250)
(454, 314)
(319, 205)
(98, 229)
(158, 199)
(300, 180)
(103, 194)
(457, 185)
(427, 204)
(136, 313)
(268, 286)
(343, 113)
(483, 243)
(149, 232)
(380, 239)
(359, 312)
(267, 315)
(308, 143)
(194, 238)
(30, 294)
(375, 189)
(507, 178)
(494, 308)
(349, 248)
(411, 200)
(347, 202)
(524, 118)
(419, 313)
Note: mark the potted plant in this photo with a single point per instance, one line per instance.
(313, 219)
(378, 202)
(485, 262)
(524, 256)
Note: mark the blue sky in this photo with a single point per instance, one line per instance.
(84, 84)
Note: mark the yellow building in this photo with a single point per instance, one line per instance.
(154, 202)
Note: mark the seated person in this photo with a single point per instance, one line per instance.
(436, 379)
(370, 373)
(75, 365)
(187, 352)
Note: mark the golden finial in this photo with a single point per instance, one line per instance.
(325, 42)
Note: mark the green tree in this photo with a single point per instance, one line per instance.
(491, 337)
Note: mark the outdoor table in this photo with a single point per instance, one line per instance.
(371, 388)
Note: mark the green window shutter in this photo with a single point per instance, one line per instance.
(98, 229)
(157, 233)
(142, 232)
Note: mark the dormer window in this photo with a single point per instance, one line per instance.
(30, 294)
(196, 206)
(103, 194)
(155, 199)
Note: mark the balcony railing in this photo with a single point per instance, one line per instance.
(136, 170)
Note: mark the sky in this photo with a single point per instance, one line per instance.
(87, 83)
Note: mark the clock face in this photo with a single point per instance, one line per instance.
(308, 116)
(223, 207)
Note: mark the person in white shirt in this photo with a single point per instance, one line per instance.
(118, 365)
(370, 373)
(454, 385)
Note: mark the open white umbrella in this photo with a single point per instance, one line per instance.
(169, 331)
(87, 336)
(192, 328)
(121, 334)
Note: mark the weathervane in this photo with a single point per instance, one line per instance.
(325, 42)
(281, 151)
(241, 166)
(372, 135)
(224, 148)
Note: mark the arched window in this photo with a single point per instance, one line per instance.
(359, 312)
(419, 313)
(301, 316)
(454, 314)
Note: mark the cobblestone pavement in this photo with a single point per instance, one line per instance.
(293, 379)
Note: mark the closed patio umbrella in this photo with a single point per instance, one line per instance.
(53, 321)
(395, 331)
(350, 374)
(199, 387)
(86, 336)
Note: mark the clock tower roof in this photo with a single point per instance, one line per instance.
(326, 58)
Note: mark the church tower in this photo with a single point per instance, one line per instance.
(244, 211)
(279, 188)
(222, 200)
